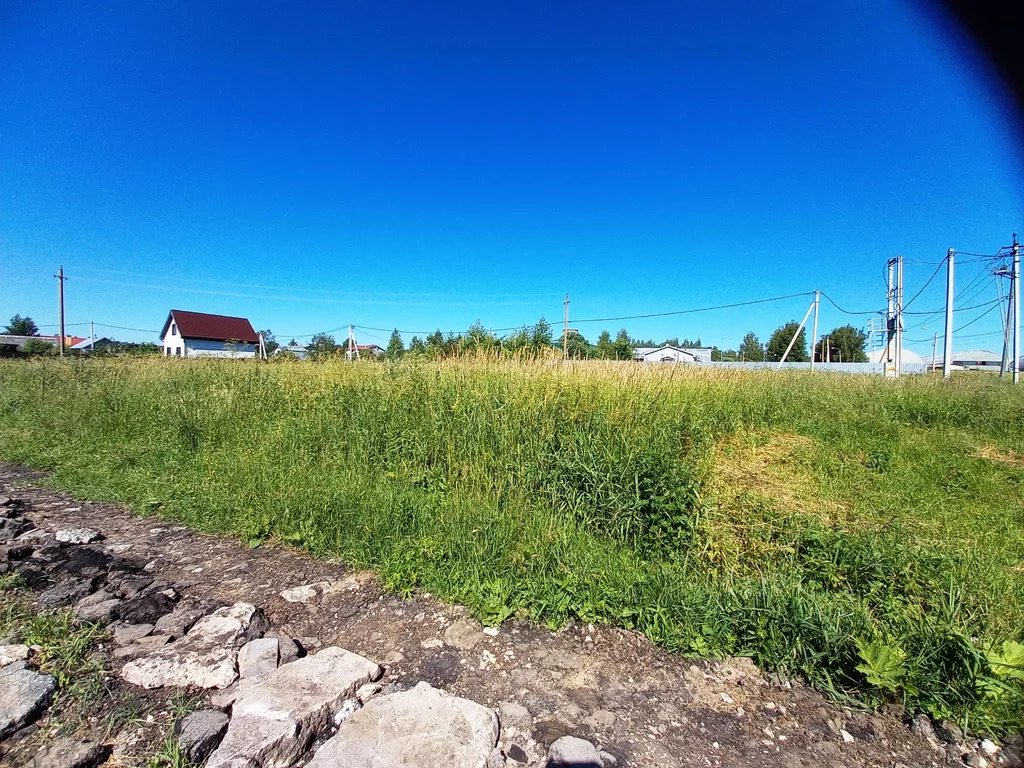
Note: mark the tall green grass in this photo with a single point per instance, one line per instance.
(886, 563)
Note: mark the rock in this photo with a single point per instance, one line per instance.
(12, 653)
(495, 760)
(65, 593)
(288, 650)
(95, 598)
(517, 753)
(141, 646)
(70, 753)
(608, 760)
(129, 633)
(183, 617)
(257, 657)
(223, 699)
(205, 657)
(200, 732)
(949, 732)
(77, 536)
(146, 609)
(511, 713)
(463, 634)
(132, 586)
(394, 657)
(275, 718)
(988, 748)
(847, 736)
(301, 594)
(102, 613)
(24, 694)
(976, 761)
(425, 727)
(571, 752)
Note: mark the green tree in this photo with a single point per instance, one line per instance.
(750, 348)
(38, 347)
(478, 339)
(416, 346)
(541, 336)
(435, 343)
(623, 345)
(847, 344)
(577, 346)
(780, 340)
(673, 342)
(604, 350)
(322, 346)
(22, 326)
(395, 348)
(517, 342)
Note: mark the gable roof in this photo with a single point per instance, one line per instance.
(199, 325)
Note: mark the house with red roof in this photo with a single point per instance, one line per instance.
(198, 334)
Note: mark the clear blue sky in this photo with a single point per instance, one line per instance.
(423, 165)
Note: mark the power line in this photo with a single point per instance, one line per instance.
(848, 311)
(926, 284)
(691, 311)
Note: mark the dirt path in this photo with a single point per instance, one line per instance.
(643, 705)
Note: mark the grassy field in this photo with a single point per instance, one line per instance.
(865, 534)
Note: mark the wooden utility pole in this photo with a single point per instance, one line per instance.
(565, 330)
(60, 308)
(947, 344)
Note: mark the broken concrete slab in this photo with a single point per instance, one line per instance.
(24, 694)
(205, 657)
(419, 728)
(275, 718)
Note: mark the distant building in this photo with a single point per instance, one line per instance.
(197, 334)
(978, 360)
(12, 342)
(88, 345)
(672, 354)
(293, 349)
(365, 350)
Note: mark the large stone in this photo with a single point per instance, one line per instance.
(103, 612)
(200, 732)
(65, 593)
(419, 728)
(129, 633)
(24, 694)
(205, 657)
(571, 752)
(146, 609)
(304, 593)
(77, 536)
(258, 657)
(69, 753)
(275, 718)
(183, 617)
(12, 653)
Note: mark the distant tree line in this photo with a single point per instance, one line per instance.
(847, 343)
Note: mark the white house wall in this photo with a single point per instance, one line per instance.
(173, 344)
(209, 348)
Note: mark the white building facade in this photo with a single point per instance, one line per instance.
(198, 334)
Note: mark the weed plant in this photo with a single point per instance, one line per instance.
(865, 534)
